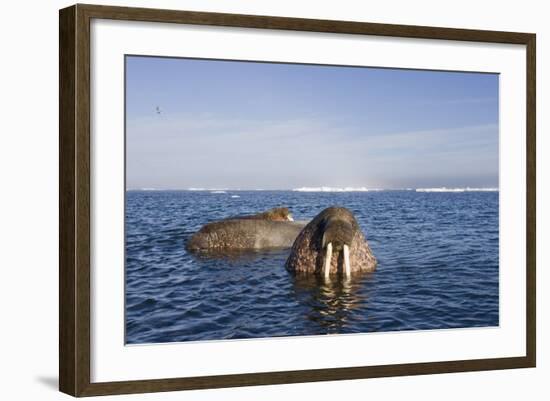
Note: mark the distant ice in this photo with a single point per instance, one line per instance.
(467, 189)
(211, 190)
(331, 189)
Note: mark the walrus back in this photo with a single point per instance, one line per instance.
(243, 234)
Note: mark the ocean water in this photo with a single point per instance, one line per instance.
(437, 267)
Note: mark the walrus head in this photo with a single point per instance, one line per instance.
(336, 231)
(337, 227)
(332, 242)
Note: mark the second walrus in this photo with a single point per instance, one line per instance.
(272, 229)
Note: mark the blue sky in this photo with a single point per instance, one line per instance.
(229, 124)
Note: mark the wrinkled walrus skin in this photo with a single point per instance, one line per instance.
(273, 229)
(338, 227)
(245, 234)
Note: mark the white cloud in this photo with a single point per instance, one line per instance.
(206, 150)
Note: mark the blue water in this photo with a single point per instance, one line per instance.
(437, 268)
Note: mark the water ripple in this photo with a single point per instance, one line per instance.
(437, 253)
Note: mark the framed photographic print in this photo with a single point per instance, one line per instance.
(250, 200)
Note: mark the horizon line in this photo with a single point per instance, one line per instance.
(326, 189)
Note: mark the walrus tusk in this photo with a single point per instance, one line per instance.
(328, 259)
(346, 261)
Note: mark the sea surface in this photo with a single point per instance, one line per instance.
(437, 267)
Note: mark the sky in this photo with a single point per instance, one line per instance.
(251, 125)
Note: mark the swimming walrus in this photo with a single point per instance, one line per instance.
(331, 243)
(268, 230)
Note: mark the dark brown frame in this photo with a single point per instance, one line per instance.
(74, 199)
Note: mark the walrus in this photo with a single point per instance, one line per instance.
(273, 229)
(331, 243)
(275, 214)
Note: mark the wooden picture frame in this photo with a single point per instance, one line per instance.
(74, 200)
